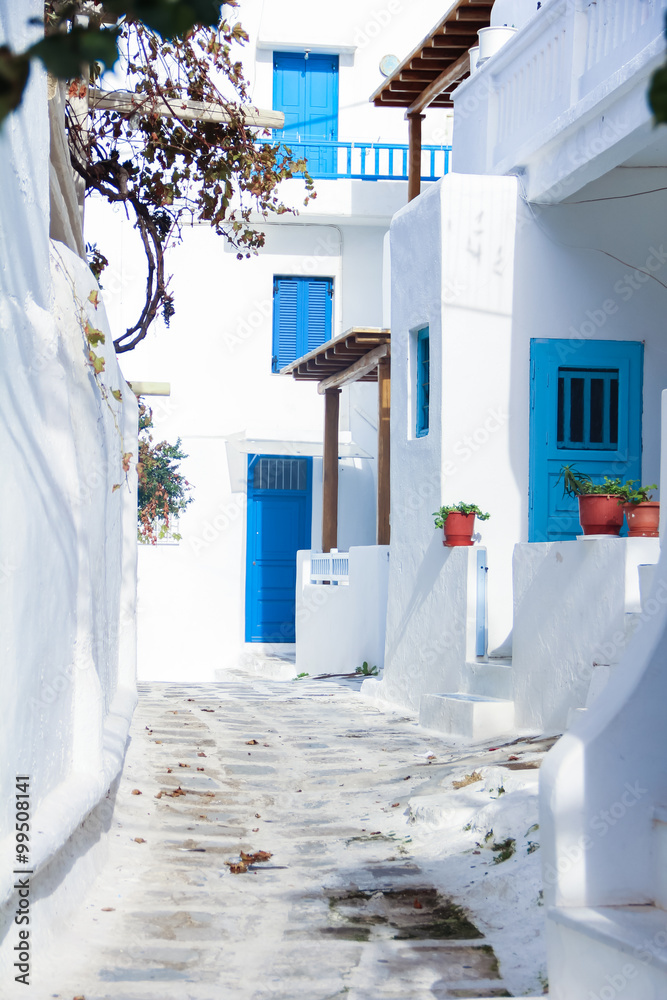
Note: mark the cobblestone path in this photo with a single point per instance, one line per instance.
(319, 778)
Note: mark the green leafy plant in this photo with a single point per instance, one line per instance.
(576, 484)
(638, 494)
(301, 676)
(163, 491)
(366, 670)
(458, 508)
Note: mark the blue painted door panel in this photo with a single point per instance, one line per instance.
(306, 91)
(586, 410)
(279, 515)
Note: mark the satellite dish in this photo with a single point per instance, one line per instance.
(388, 64)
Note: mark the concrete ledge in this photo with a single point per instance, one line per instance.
(471, 716)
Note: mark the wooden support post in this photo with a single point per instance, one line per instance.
(330, 471)
(414, 154)
(384, 405)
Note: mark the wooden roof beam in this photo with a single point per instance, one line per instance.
(127, 102)
(454, 72)
(355, 372)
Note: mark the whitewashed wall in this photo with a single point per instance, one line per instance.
(217, 353)
(340, 627)
(68, 565)
(488, 273)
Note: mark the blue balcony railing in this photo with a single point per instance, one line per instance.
(366, 161)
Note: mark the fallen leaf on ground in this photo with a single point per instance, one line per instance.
(183, 765)
(176, 792)
(251, 743)
(169, 770)
(159, 795)
(417, 905)
(407, 777)
(258, 856)
(257, 816)
(189, 699)
(266, 744)
(108, 909)
(469, 779)
(513, 757)
(208, 710)
(200, 768)
(157, 741)
(135, 791)
(208, 794)
(139, 840)
(201, 754)
(394, 804)
(255, 829)
(375, 833)
(236, 869)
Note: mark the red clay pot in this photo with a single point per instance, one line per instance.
(459, 529)
(600, 514)
(643, 519)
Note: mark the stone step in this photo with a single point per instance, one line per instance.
(607, 951)
(469, 716)
(490, 678)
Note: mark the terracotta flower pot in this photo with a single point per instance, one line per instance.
(643, 519)
(458, 529)
(600, 514)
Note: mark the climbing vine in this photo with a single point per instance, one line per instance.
(163, 490)
(163, 166)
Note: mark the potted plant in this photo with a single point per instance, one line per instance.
(600, 504)
(641, 512)
(458, 521)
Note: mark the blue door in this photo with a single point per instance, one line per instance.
(586, 411)
(305, 89)
(279, 515)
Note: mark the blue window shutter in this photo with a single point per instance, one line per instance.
(285, 321)
(302, 310)
(318, 313)
(423, 382)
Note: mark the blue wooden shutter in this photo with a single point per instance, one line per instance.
(302, 309)
(285, 321)
(423, 380)
(318, 319)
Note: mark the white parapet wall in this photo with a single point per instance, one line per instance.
(68, 519)
(342, 624)
(576, 604)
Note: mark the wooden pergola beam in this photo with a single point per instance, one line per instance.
(128, 102)
(384, 441)
(434, 89)
(414, 153)
(362, 367)
(330, 471)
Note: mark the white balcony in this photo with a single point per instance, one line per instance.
(564, 101)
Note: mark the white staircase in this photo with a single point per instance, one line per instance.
(483, 711)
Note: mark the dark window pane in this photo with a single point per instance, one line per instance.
(613, 411)
(560, 423)
(597, 410)
(577, 409)
(280, 474)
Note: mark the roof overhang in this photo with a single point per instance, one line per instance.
(352, 357)
(427, 77)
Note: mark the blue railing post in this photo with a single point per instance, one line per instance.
(317, 148)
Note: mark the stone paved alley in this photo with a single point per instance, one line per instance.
(358, 898)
